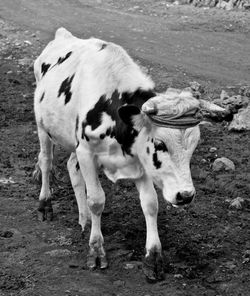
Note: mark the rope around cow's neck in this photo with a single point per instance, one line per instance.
(182, 121)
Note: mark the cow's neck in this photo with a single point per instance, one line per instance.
(126, 135)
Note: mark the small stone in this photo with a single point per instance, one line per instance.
(213, 149)
(178, 276)
(195, 85)
(133, 264)
(27, 42)
(119, 283)
(129, 266)
(237, 203)
(7, 180)
(223, 163)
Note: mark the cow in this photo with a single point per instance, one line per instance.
(95, 101)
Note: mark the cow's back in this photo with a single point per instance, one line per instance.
(72, 74)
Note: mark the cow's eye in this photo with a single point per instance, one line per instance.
(160, 146)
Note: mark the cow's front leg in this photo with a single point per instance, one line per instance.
(153, 263)
(96, 202)
(45, 211)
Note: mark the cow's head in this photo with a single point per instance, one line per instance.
(168, 135)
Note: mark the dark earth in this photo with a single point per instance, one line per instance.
(206, 246)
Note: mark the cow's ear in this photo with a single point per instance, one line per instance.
(127, 113)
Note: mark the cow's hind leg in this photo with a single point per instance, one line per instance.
(79, 187)
(45, 211)
(96, 201)
(153, 263)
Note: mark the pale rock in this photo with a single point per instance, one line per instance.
(229, 5)
(178, 276)
(195, 85)
(27, 42)
(237, 203)
(241, 121)
(213, 149)
(223, 163)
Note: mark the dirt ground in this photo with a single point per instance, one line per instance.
(206, 247)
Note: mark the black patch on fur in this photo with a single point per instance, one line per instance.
(109, 131)
(44, 68)
(148, 150)
(84, 136)
(66, 88)
(77, 123)
(49, 135)
(42, 97)
(77, 166)
(62, 59)
(102, 136)
(83, 129)
(124, 134)
(156, 161)
(160, 147)
(104, 45)
(76, 130)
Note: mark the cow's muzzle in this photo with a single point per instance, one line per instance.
(184, 197)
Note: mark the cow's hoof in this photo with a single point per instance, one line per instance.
(153, 267)
(103, 262)
(49, 213)
(94, 261)
(45, 210)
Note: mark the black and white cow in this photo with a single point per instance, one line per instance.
(93, 99)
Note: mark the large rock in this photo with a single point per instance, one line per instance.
(223, 163)
(224, 4)
(232, 103)
(241, 121)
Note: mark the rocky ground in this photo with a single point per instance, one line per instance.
(206, 246)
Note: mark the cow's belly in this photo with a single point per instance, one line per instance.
(60, 129)
(117, 166)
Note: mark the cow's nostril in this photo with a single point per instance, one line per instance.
(179, 197)
(184, 197)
